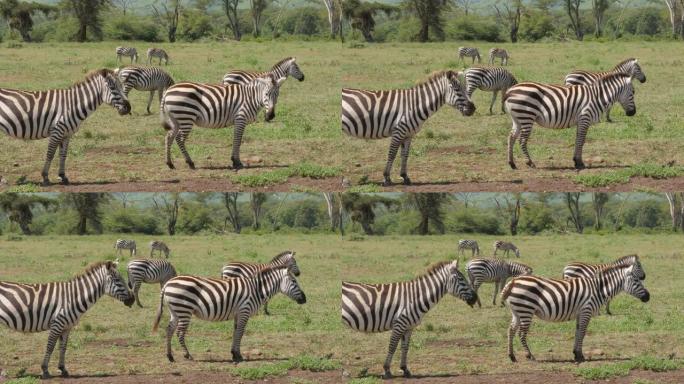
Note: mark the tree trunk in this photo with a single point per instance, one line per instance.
(676, 17)
(82, 31)
(82, 225)
(334, 18)
(367, 229)
(424, 33)
(572, 199)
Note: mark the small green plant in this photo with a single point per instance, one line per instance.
(653, 171)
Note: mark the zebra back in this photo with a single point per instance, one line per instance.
(150, 271)
(629, 66)
(281, 70)
(245, 269)
(586, 270)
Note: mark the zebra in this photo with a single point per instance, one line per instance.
(150, 272)
(158, 53)
(493, 79)
(399, 307)
(144, 78)
(126, 244)
(128, 52)
(565, 300)
(56, 114)
(56, 307)
(500, 53)
(469, 52)
(506, 247)
(222, 299)
(494, 271)
(399, 113)
(282, 69)
(156, 245)
(559, 106)
(244, 269)
(630, 66)
(468, 244)
(579, 269)
(215, 106)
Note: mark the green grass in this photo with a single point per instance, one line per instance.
(280, 176)
(645, 363)
(652, 171)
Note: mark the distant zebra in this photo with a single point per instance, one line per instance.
(150, 272)
(558, 106)
(222, 299)
(126, 52)
(564, 300)
(399, 307)
(56, 114)
(57, 306)
(492, 79)
(126, 244)
(468, 244)
(245, 269)
(506, 247)
(494, 271)
(160, 246)
(282, 69)
(579, 269)
(187, 104)
(500, 53)
(629, 66)
(469, 52)
(145, 79)
(400, 113)
(158, 53)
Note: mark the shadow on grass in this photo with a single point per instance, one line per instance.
(263, 360)
(588, 360)
(572, 168)
(230, 167)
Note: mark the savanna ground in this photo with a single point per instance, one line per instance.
(640, 343)
(304, 148)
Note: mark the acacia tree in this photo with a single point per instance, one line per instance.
(598, 202)
(257, 8)
(572, 200)
(466, 5)
(256, 202)
(124, 5)
(429, 14)
(168, 205)
(430, 208)
(676, 203)
(361, 208)
(334, 8)
(87, 12)
(233, 216)
(87, 207)
(19, 208)
(167, 13)
(333, 201)
(599, 8)
(509, 13)
(573, 9)
(19, 15)
(231, 9)
(362, 14)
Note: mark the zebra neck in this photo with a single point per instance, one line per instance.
(609, 285)
(268, 284)
(84, 291)
(430, 289)
(87, 95)
(280, 70)
(431, 94)
(605, 94)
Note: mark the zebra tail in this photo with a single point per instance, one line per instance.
(506, 291)
(160, 310)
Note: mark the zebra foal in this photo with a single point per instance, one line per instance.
(492, 79)
(161, 247)
(506, 247)
(500, 53)
(282, 69)
(150, 272)
(494, 271)
(158, 53)
(464, 244)
(126, 52)
(469, 52)
(152, 79)
(122, 244)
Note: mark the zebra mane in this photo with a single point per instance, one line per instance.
(434, 269)
(610, 268)
(435, 76)
(281, 62)
(281, 255)
(611, 76)
(623, 62)
(94, 267)
(633, 257)
(268, 269)
(104, 72)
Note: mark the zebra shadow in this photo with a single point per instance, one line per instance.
(588, 360)
(227, 360)
(572, 168)
(230, 167)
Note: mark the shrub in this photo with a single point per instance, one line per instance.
(474, 28)
(536, 26)
(130, 221)
(472, 221)
(62, 29)
(131, 27)
(194, 25)
(303, 21)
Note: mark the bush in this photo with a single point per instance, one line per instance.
(131, 28)
(194, 25)
(473, 221)
(537, 218)
(194, 218)
(536, 26)
(648, 214)
(303, 21)
(130, 221)
(405, 29)
(474, 28)
(62, 29)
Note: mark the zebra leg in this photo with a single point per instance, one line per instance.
(580, 332)
(608, 119)
(524, 328)
(492, 103)
(405, 150)
(397, 334)
(582, 128)
(63, 340)
(183, 324)
(55, 333)
(136, 289)
(53, 143)
(240, 124)
(512, 329)
(525, 133)
(476, 286)
(512, 137)
(149, 102)
(170, 329)
(394, 147)
(180, 140)
(266, 312)
(240, 323)
(405, 342)
(496, 290)
(63, 150)
(608, 308)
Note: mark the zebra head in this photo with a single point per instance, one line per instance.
(517, 252)
(625, 93)
(456, 95)
(634, 285)
(113, 94)
(294, 70)
(291, 264)
(115, 286)
(638, 269)
(289, 286)
(518, 269)
(268, 88)
(632, 67)
(458, 285)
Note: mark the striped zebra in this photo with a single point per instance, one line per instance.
(579, 269)
(126, 52)
(282, 69)
(56, 114)
(121, 244)
(506, 247)
(400, 113)
(494, 271)
(561, 106)
(143, 78)
(158, 53)
(468, 244)
(500, 53)
(629, 66)
(492, 79)
(161, 247)
(221, 300)
(473, 53)
(565, 300)
(56, 307)
(215, 106)
(150, 272)
(399, 307)
(245, 269)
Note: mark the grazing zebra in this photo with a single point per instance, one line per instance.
(222, 299)
(215, 106)
(498, 53)
(468, 244)
(399, 113)
(56, 114)
(57, 306)
(565, 300)
(492, 79)
(158, 53)
(579, 269)
(244, 269)
(469, 52)
(126, 244)
(629, 66)
(150, 272)
(156, 245)
(506, 247)
(127, 52)
(145, 79)
(282, 69)
(560, 106)
(399, 307)
(494, 271)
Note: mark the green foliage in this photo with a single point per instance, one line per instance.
(194, 217)
(474, 27)
(646, 363)
(302, 362)
(131, 27)
(280, 176)
(194, 25)
(306, 21)
(653, 171)
(537, 218)
(61, 29)
(473, 221)
(130, 221)
(536, 26)
(302, 214)
(648, 214)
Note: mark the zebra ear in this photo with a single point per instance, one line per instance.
(116, 262)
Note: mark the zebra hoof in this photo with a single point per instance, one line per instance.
(65, 373)
(63, 180)
(407, 181)
(530, 358)
(512, 357)
(191, 164)
(387, 375)
(170, 165)
(407, 373)
(45, 375)
(170, 357)
(531, 164)
(237, 357)
(512, 164)
(387, 182)
(237, 165)
(579, 165)
(188, 357)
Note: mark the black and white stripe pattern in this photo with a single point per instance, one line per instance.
(494, 271)
(506, 247)
(500, 53)
(220, 300)
(150, 272)
(126, 52)
(282, 69)
(400, 113)
(562, 106)
(56, 307)
(469, 52)
(56, 114)
(161, 247)
(121, 244)
(464, 244)
(143, 78)
(399, 307)
(215, 106)
(158, 53)
(491, 79)
(565, 300)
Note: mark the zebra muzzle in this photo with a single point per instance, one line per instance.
(269, 115)
(125, 109)
(631, 112)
